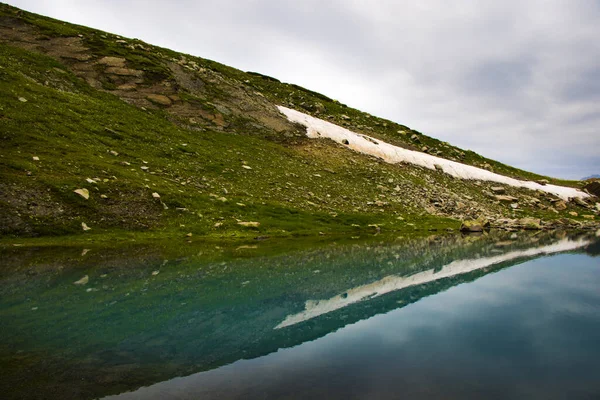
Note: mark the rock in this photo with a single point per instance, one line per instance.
(156, 195)
(218, 224)
(82, 281)
(159, 99)
(506, 199)
(345, 117)
(112, 61)
(85, 227)
(498, 189)
(114, 153)
(251, 224)
(144, 168)
(83, 193)
(345, 141)
(530, 223)
(438, 167)
(560, 205)
(36, 158)
(477, 225)
(154, 273)
(189, 234)
(103, 196)
(246, 167)
(573, 214)
(124, 71)
(588, 216)
(22, 99)
(593, 188)
(543, 182)
(579, 201)
(514, 206)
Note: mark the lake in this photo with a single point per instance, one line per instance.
(513, 315)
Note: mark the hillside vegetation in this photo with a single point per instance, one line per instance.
(103, 136)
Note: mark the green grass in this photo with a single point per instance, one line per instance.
(295, 186)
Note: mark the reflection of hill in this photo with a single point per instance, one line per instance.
(314, 308)
(128, 328)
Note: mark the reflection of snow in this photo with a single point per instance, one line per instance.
(317, 128)
(314, 308)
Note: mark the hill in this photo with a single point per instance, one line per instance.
(104, 135)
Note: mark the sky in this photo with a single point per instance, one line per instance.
(516, 81)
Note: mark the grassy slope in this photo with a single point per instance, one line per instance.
(295, 185)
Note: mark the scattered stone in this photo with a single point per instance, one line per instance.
(246, 167)
(543, 182)
(514, 206)
(218, 224)
(36, 158)
(498, 189)
(83, 193)
(114, 153)
(251, 224)
(144, 168)
(573, 213)
(82, 281)
(345, 141)
(190, 234)
(156, 195)
(560, 205)
(22, 99)
(89, 180)
(154, 273)
(85, 227)
(588, 216)
(506, 199)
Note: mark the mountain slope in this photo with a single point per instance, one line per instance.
(167, 143)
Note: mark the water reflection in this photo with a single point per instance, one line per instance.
(146, 315)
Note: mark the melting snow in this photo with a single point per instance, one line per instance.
(317, 128)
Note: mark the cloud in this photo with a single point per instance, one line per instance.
(515, 81)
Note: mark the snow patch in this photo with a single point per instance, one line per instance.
(317, 128)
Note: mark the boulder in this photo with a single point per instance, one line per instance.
(159, 99)
(477, 225)
(593, 188)
(498, 189)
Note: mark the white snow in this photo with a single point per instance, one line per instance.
(314, 308)
(317, 128)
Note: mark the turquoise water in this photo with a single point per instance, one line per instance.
(441, 317)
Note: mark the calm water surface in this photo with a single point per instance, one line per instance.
(441, 317)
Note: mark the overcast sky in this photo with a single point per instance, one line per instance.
(517, 81)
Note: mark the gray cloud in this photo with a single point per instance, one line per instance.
(515, 81)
